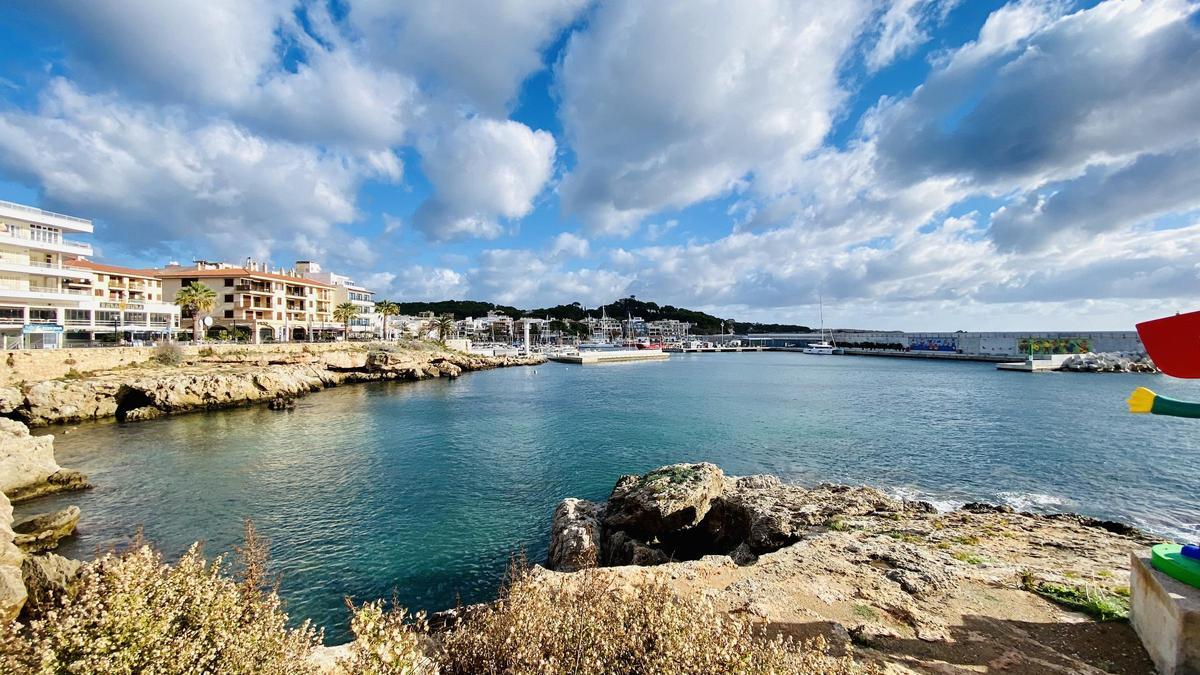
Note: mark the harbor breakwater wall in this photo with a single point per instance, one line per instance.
(206, 378)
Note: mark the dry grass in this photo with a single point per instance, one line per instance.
(133, 613)
(545, 626)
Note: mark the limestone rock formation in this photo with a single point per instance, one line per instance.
(27, 466)
(575, 535)
(43, 531)
(63, 480)
(891, 581)
(12, 589)
(663, 501)
(11, 398)
(48, 576)
(231, 378)
(24, 459)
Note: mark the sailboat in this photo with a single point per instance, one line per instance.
(825, 346)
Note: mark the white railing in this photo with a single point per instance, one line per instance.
(18, 236)
(43, 212)
(32, 263)
(51, 289)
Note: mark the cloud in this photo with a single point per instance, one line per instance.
(669, 104)
(482, 170)
(206, 50)
(1108, 82)
(903, 26)
(416, 283)
(474, 50)
(160, 179)
(569, 246)
(529, 279)
(1104, 199)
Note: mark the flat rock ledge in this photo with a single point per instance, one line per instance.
(43, 531)
(889, 580)
(150, 390)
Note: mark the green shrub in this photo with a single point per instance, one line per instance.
(133, 613)
(1093, 601)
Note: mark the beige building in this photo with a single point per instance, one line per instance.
(119, 304)
(367, 323)
(262, 304)
(35, 288)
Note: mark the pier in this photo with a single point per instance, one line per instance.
(706, 350)
(614, 356)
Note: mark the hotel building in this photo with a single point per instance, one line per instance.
(119, 304)
(262, 304)
(35, 284)
(367, 323)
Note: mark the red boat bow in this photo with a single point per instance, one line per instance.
(1174, 344)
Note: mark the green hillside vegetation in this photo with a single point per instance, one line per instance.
(702, 323)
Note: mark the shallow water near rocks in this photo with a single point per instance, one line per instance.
(427, 488)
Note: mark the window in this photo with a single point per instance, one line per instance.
(229, 282)
(42, 315)
(12, 315)
(45, 234)
(79, 316)
(107, 318)
(228, 296)
(229, 314)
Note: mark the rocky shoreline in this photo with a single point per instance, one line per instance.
(887, 580)
(228, 378)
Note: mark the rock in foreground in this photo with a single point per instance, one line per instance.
(894, 581)
(43, 531)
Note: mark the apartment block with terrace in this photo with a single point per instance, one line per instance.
(257, 302)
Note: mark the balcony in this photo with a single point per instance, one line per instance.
(252, 288)
(21, 238)
(35, 215)
(44, 269)
(43, 293)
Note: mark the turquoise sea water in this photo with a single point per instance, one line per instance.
(426, 488)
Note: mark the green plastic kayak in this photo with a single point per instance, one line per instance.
(1167, 559)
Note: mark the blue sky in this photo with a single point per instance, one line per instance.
(919, 164)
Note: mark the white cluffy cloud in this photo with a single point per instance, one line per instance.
(158, 178)
(669, 104)
(482, 170)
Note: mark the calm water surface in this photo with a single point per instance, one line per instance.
(426, 488)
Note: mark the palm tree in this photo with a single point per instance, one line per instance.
(444, 325)
(199, 300)
(345, 313)
(386, 308)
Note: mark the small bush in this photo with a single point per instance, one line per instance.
(73, 374)
(169, 353)
(133, 613)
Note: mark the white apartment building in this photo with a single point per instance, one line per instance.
(367, 323)
(121, 305)
(35, 285)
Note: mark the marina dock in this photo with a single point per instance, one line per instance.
(697, 350)
(610, 356)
